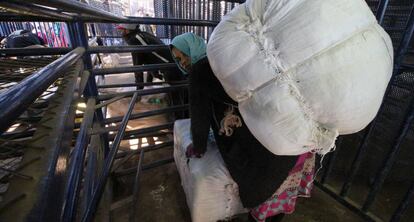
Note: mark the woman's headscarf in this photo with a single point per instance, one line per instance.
(191, 45)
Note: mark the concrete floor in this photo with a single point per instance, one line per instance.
(161, 197)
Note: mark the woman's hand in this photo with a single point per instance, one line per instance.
(191, 152)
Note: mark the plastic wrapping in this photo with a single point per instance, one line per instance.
(210, 191)
(303, 72)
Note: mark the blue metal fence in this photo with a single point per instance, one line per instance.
(55, 34)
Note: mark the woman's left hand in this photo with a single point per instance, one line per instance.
(191, 152)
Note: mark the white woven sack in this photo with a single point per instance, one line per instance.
(211, 193)
(303, 72)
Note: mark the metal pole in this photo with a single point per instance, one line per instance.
(31, 51)
(109, 160)
(17, 98)
(382, 7)
(404, 204)
(77, 163)
(140, 84)
(405, 42)
(362, 149)
(140, 68)
(142, 92)
(133, 214)
(129, 48)
(391, 157)
(331, 161)
(148, 113)
(91, 88)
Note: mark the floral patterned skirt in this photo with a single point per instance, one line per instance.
(299, 183)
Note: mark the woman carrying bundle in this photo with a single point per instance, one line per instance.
(268, 184)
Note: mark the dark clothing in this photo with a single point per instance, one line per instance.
(171, 75)
(149, 58)
(258, 172)
(22, 39)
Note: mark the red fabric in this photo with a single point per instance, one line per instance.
(299, 183)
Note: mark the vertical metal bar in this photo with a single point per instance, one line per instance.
(1, 29)
(199, 29)
(391, 157)
(405, 42)
(9, 31)
(92, 170)
(402, 50)
(77, 163)
(72, 36)
(404, 204)
(58, 37)
(109, 160)
(13, 25)
(362, 149)
(331, 161)
(37, 32)
(50, 33)
(204, 18)
(91, 88)
(380, 13)
(133, 215)
(43, 32)
(93, 31)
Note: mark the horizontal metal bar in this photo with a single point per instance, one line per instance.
(115, 128)
(140, 84)
(151, 134)
(10, 17)
(143, 92)
(33, 10)
(18, 135)
(16, 99)
(139, 133)
(369, 217)
(88, 13)
(46, 158)
(129, 48)
(129, 69)
(109, 160)
(170, 21)
(33, 51)
(145, 167)
(146, 149)
(148, 113)
(77, 7)
(127, 155)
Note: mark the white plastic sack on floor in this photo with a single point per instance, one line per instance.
(210, 191)
(302, 71)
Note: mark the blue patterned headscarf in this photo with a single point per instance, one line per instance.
(191, 45)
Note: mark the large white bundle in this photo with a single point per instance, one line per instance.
(302, 71)
(211, 193)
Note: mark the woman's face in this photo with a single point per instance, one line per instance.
(181, 58)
